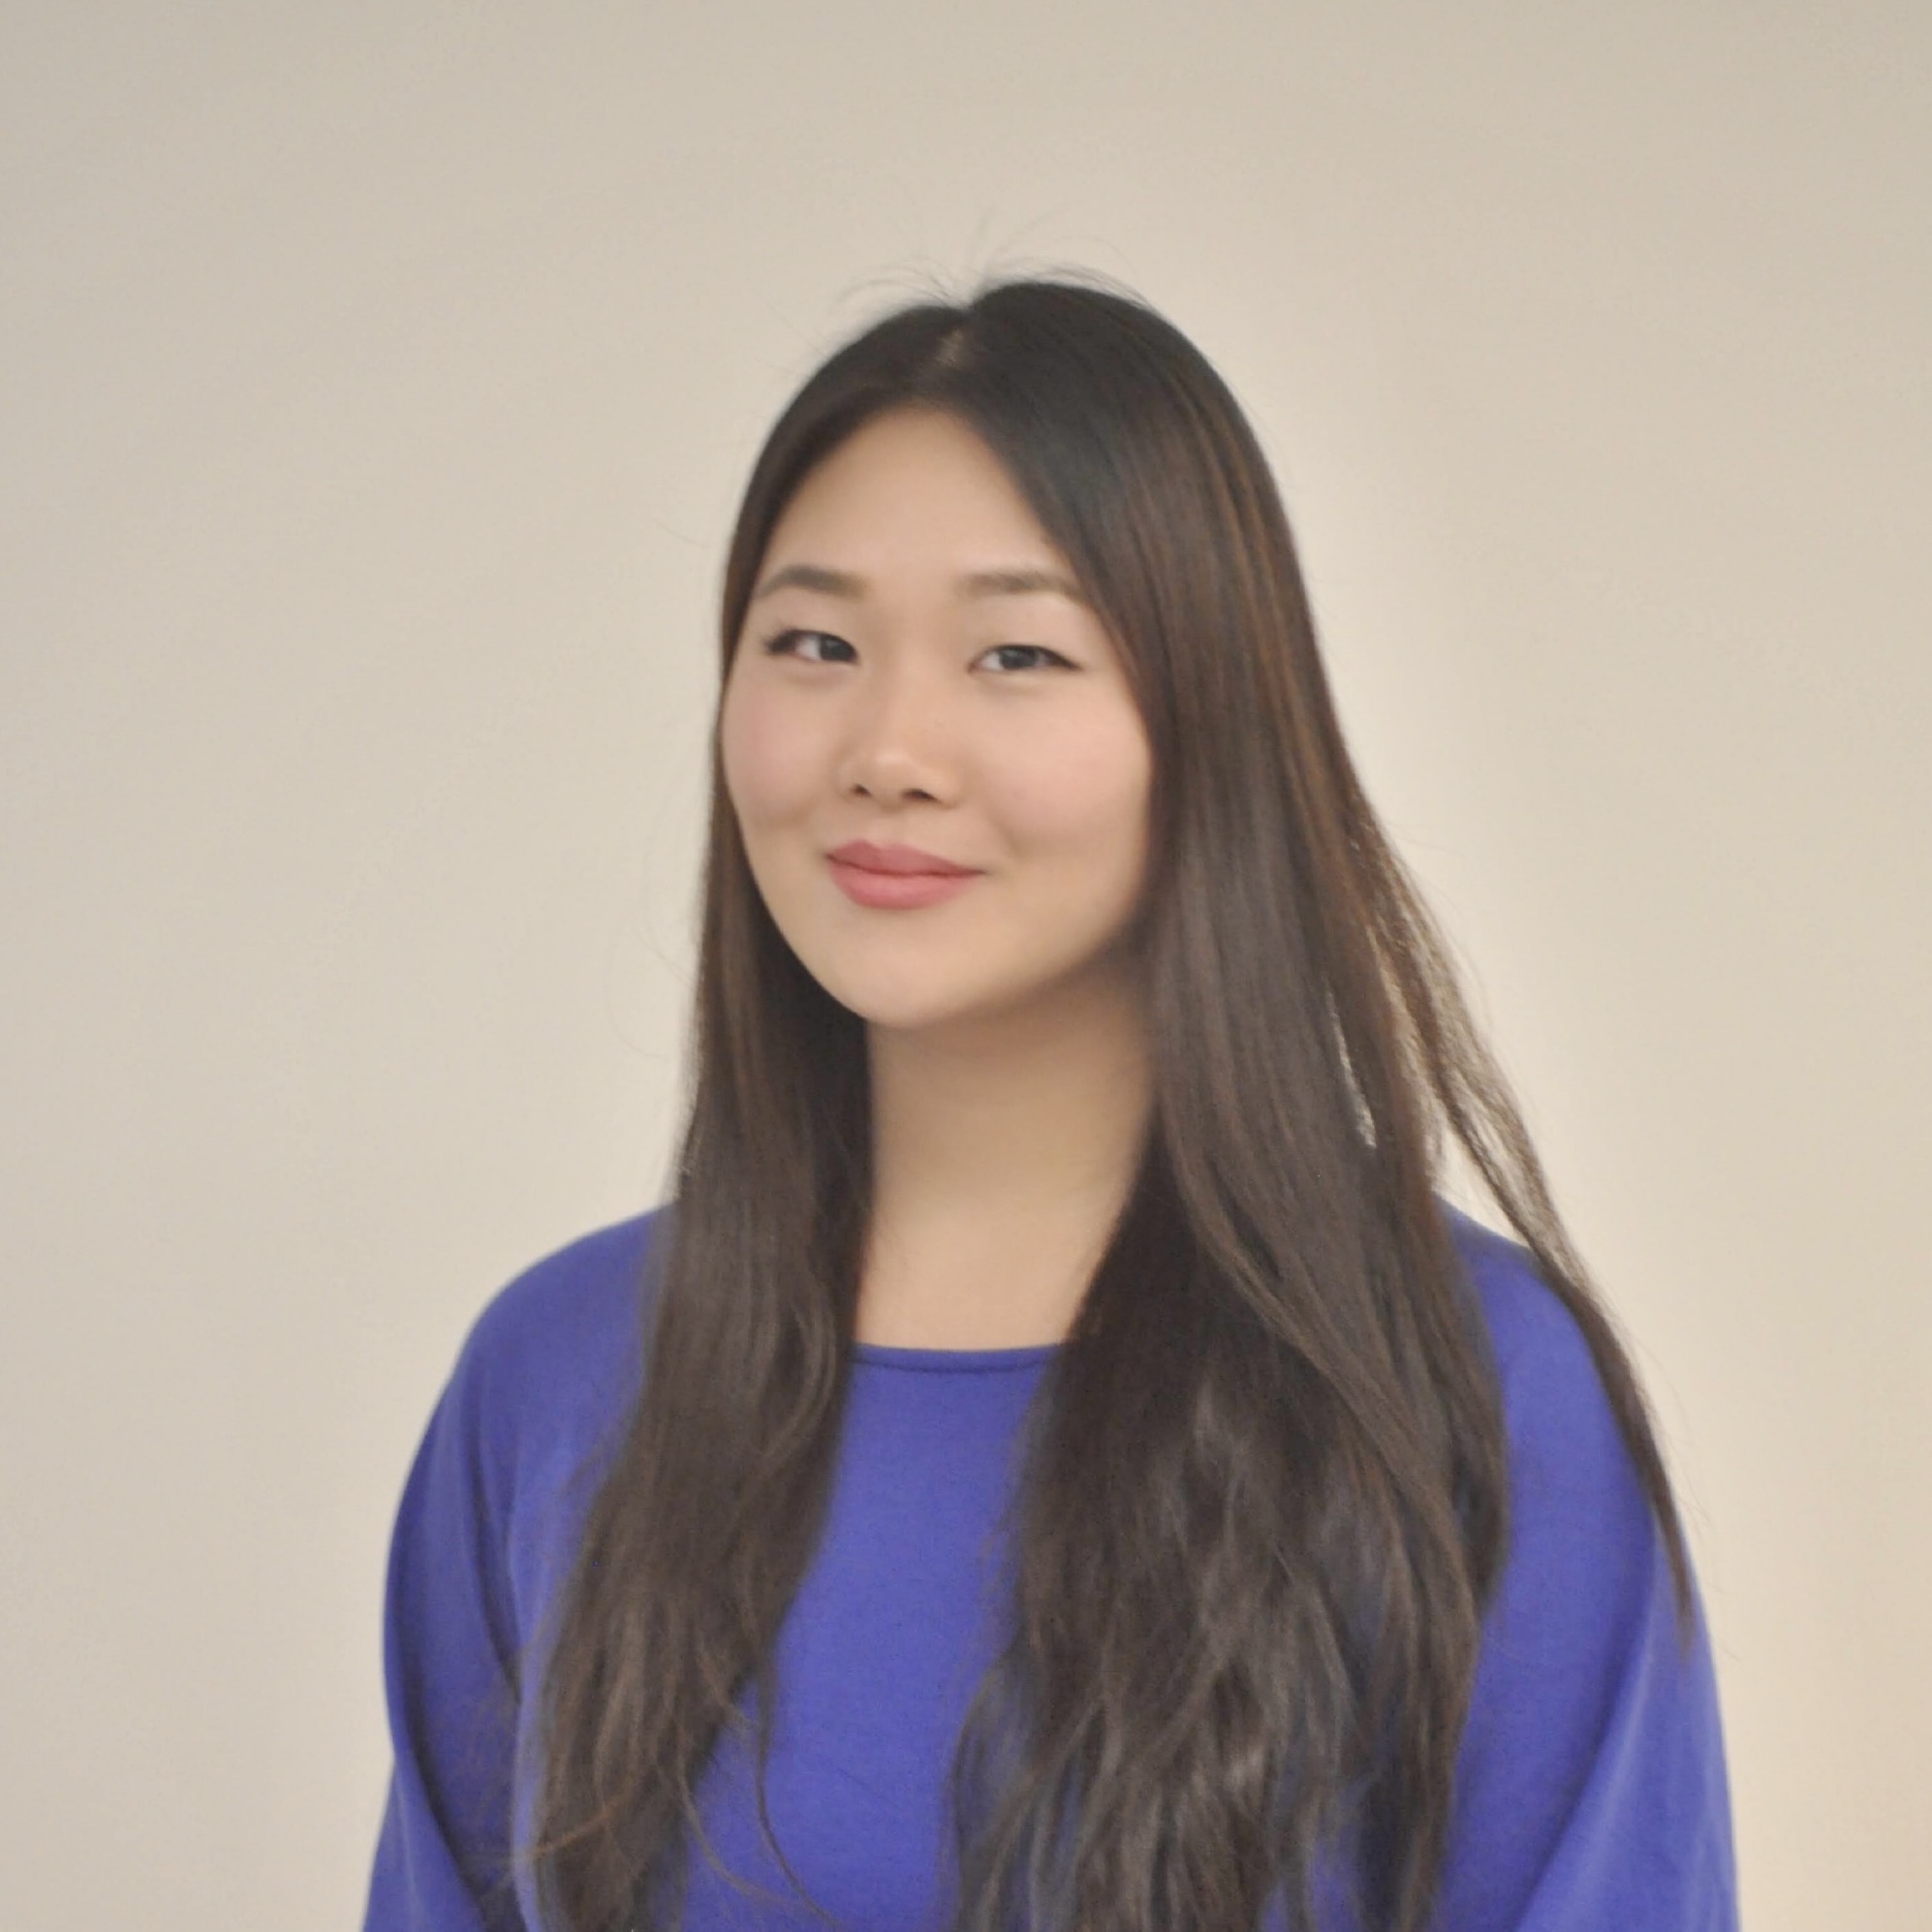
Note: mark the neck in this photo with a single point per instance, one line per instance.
(1003, 1152)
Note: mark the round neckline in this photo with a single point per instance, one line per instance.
(886, 1355)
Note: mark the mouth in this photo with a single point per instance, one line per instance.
(898, 889)
(895, 859)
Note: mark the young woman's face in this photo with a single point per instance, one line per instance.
(909, 676)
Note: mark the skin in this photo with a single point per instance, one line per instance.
(1005, 1029)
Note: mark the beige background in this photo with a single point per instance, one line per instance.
(375, 387)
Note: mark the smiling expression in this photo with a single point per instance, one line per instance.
(918, 668)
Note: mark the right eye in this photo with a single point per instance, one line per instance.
(788, 643)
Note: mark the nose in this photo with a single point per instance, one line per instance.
(899, 747)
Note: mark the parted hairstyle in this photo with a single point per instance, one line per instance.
(1264, 1502)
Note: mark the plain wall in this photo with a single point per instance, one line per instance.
(376, 382)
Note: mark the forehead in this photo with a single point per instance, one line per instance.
(910, 485)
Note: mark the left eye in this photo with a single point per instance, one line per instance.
(786, 645)
(1039, 652)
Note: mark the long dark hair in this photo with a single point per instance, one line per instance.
(1264, 1501)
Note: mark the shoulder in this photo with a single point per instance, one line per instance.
(1549, 1377)
(1530, 1329)
(547, 1370)
(1577, 1505)
(574, 1303)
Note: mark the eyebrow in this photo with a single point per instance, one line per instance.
(1015, 582)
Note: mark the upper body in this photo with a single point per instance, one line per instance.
(1591, 1788)
(1058, 988)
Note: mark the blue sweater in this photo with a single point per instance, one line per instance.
(1591, 1791)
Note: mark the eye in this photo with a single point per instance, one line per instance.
(786, 645)
(1037, 651)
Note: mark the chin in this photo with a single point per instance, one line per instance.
(905, 1008)
(909, 1015)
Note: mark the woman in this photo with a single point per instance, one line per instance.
(1056, 1460)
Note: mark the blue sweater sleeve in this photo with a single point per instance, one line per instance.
(450, 1649)
(486, 1530)
(1592, 1793)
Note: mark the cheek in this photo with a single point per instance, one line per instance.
(1085, 799)
(770, 762)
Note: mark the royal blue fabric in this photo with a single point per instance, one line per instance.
(1591, 1791)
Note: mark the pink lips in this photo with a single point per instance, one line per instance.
(895, 876)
